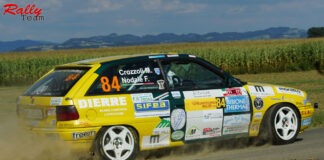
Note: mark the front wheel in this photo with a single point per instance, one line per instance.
(281, 124)
(117, 142)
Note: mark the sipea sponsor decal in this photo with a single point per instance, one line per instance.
(178, 119)
(289, 91)
(177, 135)
(155, 141)
(152, 109)
(306, 121)
(258, 103)
(102, 102)
(163, 127)
(78, 135)
(261, 91)
(237, 104)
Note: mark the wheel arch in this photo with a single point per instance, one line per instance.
(272, 106)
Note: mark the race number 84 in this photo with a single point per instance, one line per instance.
(106, 85)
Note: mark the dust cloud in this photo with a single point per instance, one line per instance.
(197, 150)
(16, 143)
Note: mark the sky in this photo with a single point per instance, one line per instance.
(85, 18)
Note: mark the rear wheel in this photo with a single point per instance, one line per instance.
(117, 142)
(281, 124)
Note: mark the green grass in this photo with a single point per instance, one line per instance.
(238, 57)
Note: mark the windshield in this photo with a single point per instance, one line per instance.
(57, 83)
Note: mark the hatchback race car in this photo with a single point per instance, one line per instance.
(117, 106)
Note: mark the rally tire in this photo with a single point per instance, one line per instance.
(116, 142)
(281, 124)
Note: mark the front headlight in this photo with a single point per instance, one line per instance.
(307, 100)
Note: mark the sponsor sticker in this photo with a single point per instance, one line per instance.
(203, 94)
(152, 109)
(176, 94)
(161, 84)
(212, 115)
(232, 92)
(56, 101)
(51, 111)
(193, 132)
(142, 97)
(177, 135)
(211, 132)
(178, 119)
(204, 103)
(157, 71)
(163, 127)
(258, 115)
(306, 122)
(157, 56)
(237, 104)
(289, 91)
(102, 102)
(173, 55)
(155, 141)
(258, 103)
(255, 126)
(261, 91)
(78, 135)
(236, 124)
(204, 124)
(306, 112)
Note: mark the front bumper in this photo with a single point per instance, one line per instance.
(306, 114)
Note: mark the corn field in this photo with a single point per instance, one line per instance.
(237, 57)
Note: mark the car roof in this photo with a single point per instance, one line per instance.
(101, 60)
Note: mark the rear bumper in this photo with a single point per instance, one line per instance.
(77, 139)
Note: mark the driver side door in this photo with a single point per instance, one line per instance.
(205, 106)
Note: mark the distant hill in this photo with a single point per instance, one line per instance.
(12, 45)
(114, 39)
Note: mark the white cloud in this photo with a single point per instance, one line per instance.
(51, 4)
(172, 5)
(102, 5)
(151, 4)
(236, 9)
(131, 21)
(297, 5)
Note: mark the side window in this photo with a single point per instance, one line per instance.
(129, 77)
(187, 75)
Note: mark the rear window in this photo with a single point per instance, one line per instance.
(57, 83)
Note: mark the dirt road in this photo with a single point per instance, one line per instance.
(309, 146)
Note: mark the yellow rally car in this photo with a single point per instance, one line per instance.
(119, 105)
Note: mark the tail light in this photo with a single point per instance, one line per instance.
(66, 113)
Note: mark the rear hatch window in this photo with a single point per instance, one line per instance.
(56, 83)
